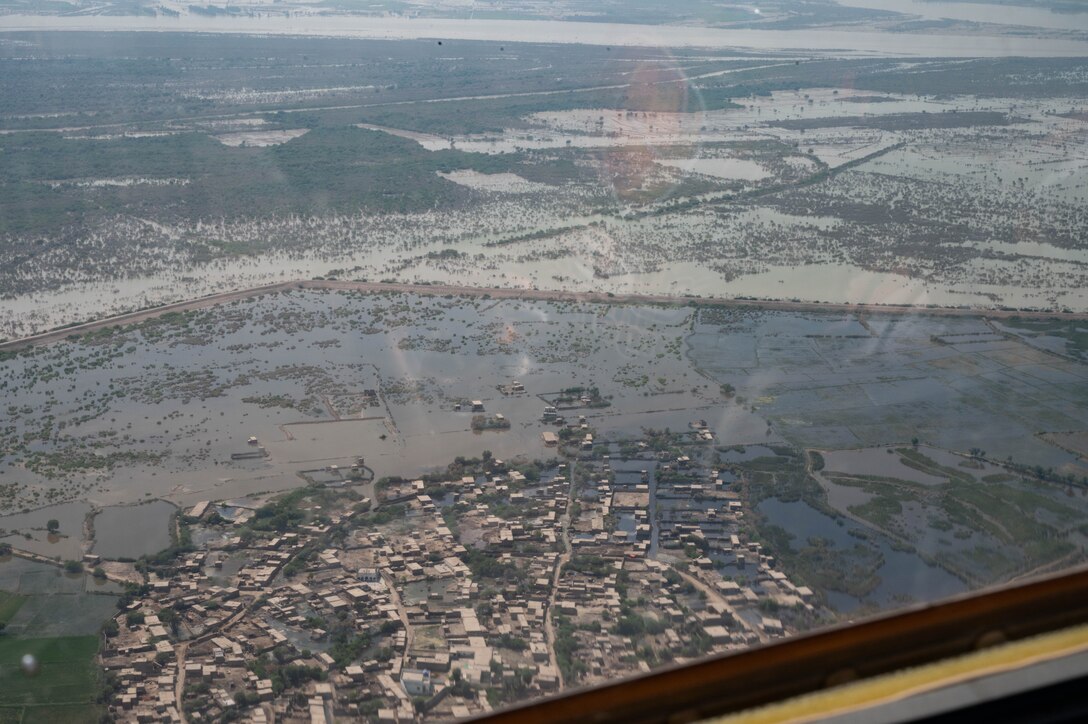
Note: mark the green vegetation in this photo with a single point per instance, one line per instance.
(1073, 332)
(920, 461)
(383, 515)
(566, 648)
(10, 603)
(633, 624)
(335, 168)
(1021, 527)
(514, 643)
(68, 680)
(483, 422)
(271, 401)
(591, 565)
(881, 510)
(487, 566)
(62, 463)
(782, 476)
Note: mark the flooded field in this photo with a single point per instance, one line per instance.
(164, 405)
(876, 462)
(839, 382)
(822, 191)
(720, 168)
(29, 531)
(504, 183)
(57, 603)
(132, 531)
(188, 392)
(275, 391)
(902, 577)
(260, 138)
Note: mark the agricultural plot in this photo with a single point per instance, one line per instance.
(832, 383)
(10, 603)
(65, 687)
(42, 601)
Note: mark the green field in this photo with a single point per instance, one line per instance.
(10, 603)
(64, 689)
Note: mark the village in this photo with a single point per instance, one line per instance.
(453, 594)
(384, 541)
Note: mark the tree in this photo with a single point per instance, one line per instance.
(53, 525)
(73, 567)
(169, 617)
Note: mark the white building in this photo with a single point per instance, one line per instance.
(417, 683)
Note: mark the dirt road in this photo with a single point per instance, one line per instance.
(402, 614)
(553, 295)
(562, 560)
(179, 684)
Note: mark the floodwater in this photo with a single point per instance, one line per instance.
(58, 603)
(508, 183)
(876, 462)
(979, 12)
(423, 356)
(841, 42)
(66, 544)
(131, 531)
(260, 139)
(827, 382)
(902, 576)
(848, 283)
(252, 368)
(692, 252)
(730, 168)
(300, 639)
(628, 468)
(1039, 249)
(842, 497)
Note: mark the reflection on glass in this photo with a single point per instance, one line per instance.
(406, 361)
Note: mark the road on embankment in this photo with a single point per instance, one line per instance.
(551, 295)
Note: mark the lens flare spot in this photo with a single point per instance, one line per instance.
(29, 664)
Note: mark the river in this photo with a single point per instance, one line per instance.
(979, 12)
(839, 42)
